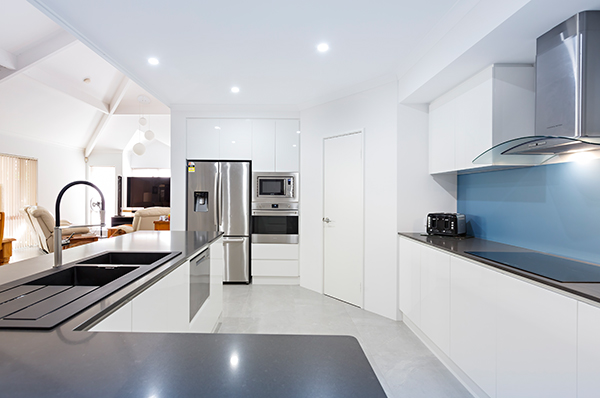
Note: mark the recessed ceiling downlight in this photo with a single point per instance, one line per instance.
(153, 61)
(235, 89)
(323, 47)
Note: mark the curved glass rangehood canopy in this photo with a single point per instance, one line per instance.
(567, 99)
(537, 150)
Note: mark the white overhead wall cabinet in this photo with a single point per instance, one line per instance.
(503, 336)
(272, 145)
(493, 106)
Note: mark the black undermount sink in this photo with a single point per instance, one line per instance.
(83, 276)
(137, 258)
(46, 299)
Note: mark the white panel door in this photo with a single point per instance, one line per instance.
(409, 282)
(202, 139)
(263, 145)
(236, 139)
(287, 145)
(473, 322)
(536, 344)
(343, 218)
(588, 351)
(435, 297)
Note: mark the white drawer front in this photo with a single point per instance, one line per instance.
(265, 251)
(275, 268)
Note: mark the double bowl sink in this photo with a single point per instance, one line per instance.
(46, 299)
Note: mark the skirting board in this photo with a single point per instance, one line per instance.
(445, 359)
(275, 280)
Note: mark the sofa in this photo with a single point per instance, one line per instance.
(42, 223)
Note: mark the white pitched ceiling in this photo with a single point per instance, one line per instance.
(60, 91)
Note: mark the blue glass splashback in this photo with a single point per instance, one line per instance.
(553, 208)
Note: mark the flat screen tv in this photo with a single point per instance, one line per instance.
(148, 191)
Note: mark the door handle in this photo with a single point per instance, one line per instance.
(232, 240)
(327, 220)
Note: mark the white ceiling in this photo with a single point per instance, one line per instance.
(43, 95)
(266, 48)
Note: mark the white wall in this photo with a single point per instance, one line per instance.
(57, 166)
(157, 156)
(374, 111)
(179, 115)
(418, 192)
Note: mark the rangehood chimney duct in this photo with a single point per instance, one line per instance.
(567, 97)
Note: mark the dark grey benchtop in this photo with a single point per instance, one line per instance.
(460, 245)
(67, 362)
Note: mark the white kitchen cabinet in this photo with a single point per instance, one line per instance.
(473, 322)
(493, 106)
(118, 321)
(409, 279)
(235, 139)
(275, 263)
(263, 145)
(203, 140)
(435, 297)
(441, 136)
(588, 351)
(164, 306)
(536, 341)
(287, 145)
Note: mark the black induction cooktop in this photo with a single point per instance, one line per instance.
(557, 268)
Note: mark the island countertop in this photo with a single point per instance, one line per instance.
(70, 362)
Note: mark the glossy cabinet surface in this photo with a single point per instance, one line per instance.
(409, 282)
(271, 144)
(118, 321)
(536, 341)
(203, 139)
(493, 106)
(588, 351)
(287, 145)
(263, 145)
(473, 322)
(235, 139)
(275, 261)
(435, 297)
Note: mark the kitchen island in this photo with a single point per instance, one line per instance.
(71, 361)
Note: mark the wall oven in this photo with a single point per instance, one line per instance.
(275, 223)
(271, 187)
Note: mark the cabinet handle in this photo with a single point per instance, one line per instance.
(232, 240)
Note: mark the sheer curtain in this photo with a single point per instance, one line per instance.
(18, 188)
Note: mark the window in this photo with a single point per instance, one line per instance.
(18, 188)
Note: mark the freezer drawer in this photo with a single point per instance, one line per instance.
(237, 259)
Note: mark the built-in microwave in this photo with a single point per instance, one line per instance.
(275, 186)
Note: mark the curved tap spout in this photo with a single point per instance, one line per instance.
(57, 231)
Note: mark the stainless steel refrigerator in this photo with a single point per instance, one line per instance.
(218, 199)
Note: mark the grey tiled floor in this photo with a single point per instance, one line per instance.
(404, 366)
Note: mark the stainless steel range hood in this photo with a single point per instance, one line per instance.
(567, 98)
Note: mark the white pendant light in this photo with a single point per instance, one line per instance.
(149, 135)
(142, 121)
(139, 149)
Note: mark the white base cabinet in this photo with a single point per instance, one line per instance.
(165, 305)
(275, 264)
(510, 337)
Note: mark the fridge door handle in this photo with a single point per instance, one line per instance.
(219, 200)
(232, 240)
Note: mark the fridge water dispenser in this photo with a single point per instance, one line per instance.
(201, 201)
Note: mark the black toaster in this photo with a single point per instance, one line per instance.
(449, 224)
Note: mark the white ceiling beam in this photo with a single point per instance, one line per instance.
(8, 60)
(112, 107)
(65, 87)
(38, 53)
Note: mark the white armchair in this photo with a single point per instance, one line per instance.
(42, 223)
